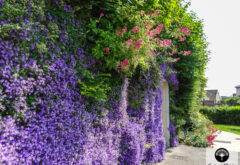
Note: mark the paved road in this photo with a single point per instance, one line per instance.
(187, 155)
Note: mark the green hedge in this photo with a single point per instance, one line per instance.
(223, 115)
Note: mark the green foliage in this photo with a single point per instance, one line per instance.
(198, 136)
(17, 8)
(42, 47)
(229, 115)
(186, 101)
(230, 101)
(111, 48)
(6, 28)
(95, 86)
(197, 139)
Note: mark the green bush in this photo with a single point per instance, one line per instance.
(229, 115)
(197, 139)
(230, 101)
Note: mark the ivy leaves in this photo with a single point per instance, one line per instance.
(94, 86)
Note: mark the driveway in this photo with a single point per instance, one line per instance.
(188, 155)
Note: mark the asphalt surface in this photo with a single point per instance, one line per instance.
(188, 155)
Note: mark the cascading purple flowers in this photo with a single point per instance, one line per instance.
(132, 145)
(46, 120)
(173, 136)
(154, 128)
(39, 82)
(2, 3)
(170, 77)
(150, 116)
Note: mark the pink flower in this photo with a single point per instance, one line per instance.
(121, 35)
(182, 39)
(188, 32)
(159, 28)
(129, 41)
(101, 15)
(138, 44)
(186, 53)
(107, 50)
(136, 57)
(149, 34)
(180, 20)
(142, 12)
(147, 25)
(135, 30)
(210, 138)
(126, 62)
(167, 43)
(124, 29)
(117, 32)
(140, 41)
(178, 58)
(149, 13)
(180, 28)
(153, 52)
(138, 25)
(185, 29)
(156, 12)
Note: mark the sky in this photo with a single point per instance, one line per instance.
(221, 20)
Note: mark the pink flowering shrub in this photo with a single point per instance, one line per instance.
(144, 40)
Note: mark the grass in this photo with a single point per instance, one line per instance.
(228, 128)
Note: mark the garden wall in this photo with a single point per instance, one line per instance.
(65, 133)
(44, 116)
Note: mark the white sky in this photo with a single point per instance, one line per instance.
(222, 28)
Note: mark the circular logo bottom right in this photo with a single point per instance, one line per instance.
(221, 155)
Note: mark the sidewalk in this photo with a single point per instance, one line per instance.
(188, 155)
(227, 140)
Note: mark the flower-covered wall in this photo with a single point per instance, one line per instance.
(63, 132)
(82, 86)
(45, 119)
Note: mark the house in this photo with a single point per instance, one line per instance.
(237, 90)
(212, 97)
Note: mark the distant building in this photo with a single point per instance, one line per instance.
(237, 90)
(212, 97)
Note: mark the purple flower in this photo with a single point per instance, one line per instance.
(32, 46)
(57, 124)
(2, 3)
(174, 138)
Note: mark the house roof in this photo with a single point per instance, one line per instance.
(237, 86)
(211, 94)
